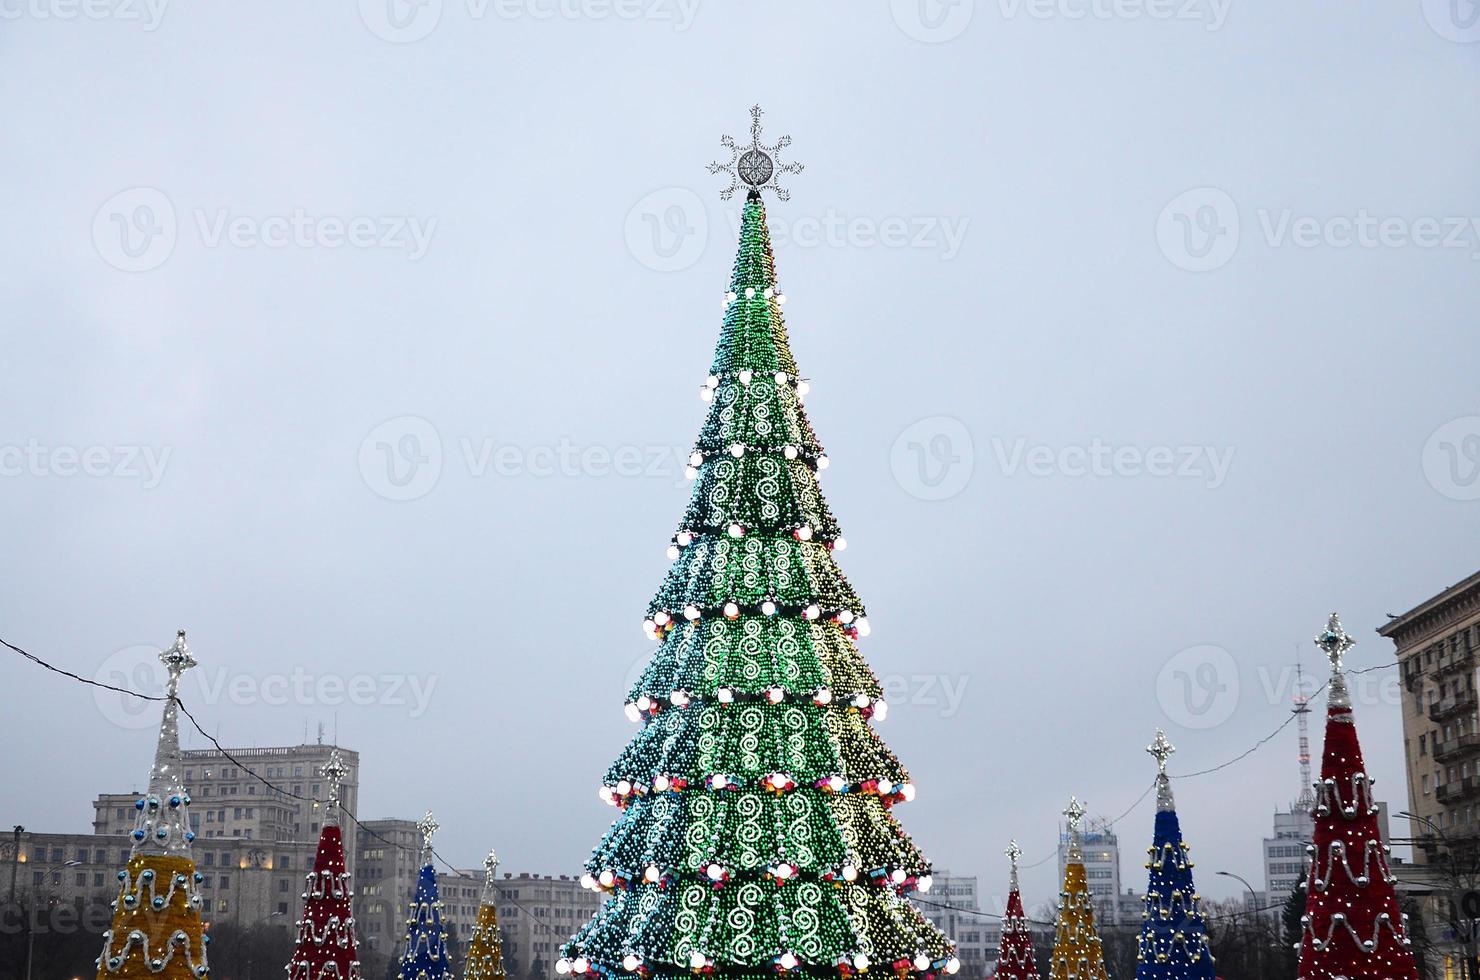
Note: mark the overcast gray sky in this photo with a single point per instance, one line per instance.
(360, 341)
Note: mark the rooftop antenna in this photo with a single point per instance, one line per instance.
(321, 733)
(1306, 802)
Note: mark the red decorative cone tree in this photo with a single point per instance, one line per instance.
(1353, 928)
(326, 933)
(1015, 951)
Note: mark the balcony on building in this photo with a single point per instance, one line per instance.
(1456, 662)
(1454, 704)
(1454, 748)
(1458, 789)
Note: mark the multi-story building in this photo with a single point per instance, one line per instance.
(244, 881)
(253, 843)
(1102, 871)
(1284, 853)
(953, 905)
(1436, 645)
(386, 866)
(537, 914)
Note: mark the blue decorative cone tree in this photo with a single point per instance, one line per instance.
(426, 956)
(1174, 939)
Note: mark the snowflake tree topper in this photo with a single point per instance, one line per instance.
(755, 166)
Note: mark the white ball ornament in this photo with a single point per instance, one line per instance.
(581, 964)
(790, 452)
(737, 450)
(781, 298)
(922, 962)
(633, 714)
(861, 962)
(607, 879)
(788, 961)
(925, 883)
(696, 960)
(685, 538)
(746, 375)
(652, 874)
(823, 696)
(631, 962)
(562, 966)
(811, 612)
(737, 531)
(953, 966)
(840, 544)
(750, 292)
(768, 608)
(732, 610)
(823, 462)
(768, 292)
(691, 613)
(804, 533)
(862, 626)
(690, 473)
(673, 552)
(724, 695)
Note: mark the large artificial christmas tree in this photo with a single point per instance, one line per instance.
(1352, 928)
(755, 834)
(1015, 950)
(1174, 940)
(426, 956)
(156, 930)
(486, 949)
(326, 948)
(1077, 953)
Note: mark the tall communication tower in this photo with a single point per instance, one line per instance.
(1306, 802)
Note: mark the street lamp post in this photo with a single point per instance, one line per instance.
(1254, 909)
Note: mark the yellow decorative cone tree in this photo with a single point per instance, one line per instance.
(156, 931)
(486, 950)
(1076, 945)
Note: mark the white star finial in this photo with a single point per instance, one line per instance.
(1161, 750)
(756, 166)
(1334, 642)
(335, 772)
(1074, 813)
(177, 659)
(428, 826)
